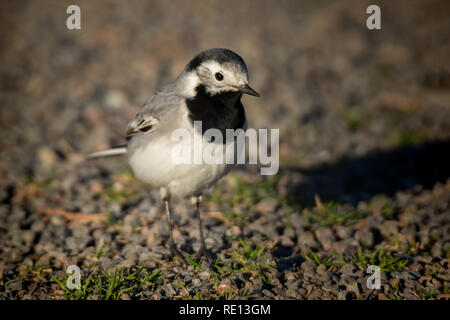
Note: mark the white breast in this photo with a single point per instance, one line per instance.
(150, 157)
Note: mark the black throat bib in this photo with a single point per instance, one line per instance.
(221, 111)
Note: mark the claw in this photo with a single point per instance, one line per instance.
(175, 252)
(203, 252)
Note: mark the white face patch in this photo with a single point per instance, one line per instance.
(190, 82)
(232, 77)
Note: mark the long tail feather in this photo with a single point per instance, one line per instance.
(107, 153)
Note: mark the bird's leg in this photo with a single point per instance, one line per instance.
(173, 249)
(203, 251)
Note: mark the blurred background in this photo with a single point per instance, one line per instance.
(335, 89)
(361, 112)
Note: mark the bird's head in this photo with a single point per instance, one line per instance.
(219, 71)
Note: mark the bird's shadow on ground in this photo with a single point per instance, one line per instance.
(357, 179)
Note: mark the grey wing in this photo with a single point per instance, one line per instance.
(153, 113)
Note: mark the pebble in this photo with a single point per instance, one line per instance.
(17, 215)
(346, 247)
(46, 157)
(325, 237)
(289, 233)
(115, 99)
(128, 263)
(125, 296)
(15, 285)
(233, 231)
(365, 237)
(197, 282)
(343, 232)
(388, 228)
(204, 275)
(321, 269)
(169, 290)
(38, 226)
(306, 240)
(325, 277)
(298, 221)
(266, 206)
(348, 269)
(309, 269)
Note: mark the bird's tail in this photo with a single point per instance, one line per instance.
(108, 153)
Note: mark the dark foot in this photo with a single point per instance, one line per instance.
(203, 252)
(175, 252)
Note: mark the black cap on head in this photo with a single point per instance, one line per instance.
(218, 54)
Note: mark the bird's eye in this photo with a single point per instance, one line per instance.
(219, 76)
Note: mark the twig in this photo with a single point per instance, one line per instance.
(319, 204)
(218, 216)
(72, 216)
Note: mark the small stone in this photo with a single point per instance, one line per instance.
(96, 187)
(38, 226)
(115, 99)
(409, 295)
(196, 282)
(302, 292)
(289, 232)
(60, 260)
(325, 277)
(366, 238)
(292, 293)
(436, 250)
(286, 242)
(353, 287)
(15, 285)
(290, 276)
(17, 215)
(227, 285)
(344, 232)
(204, 275)
(125, 296)
(329, 288)
(233, 231)
(267, 205)
(346, 247)
(306, 240)
(342, 295)
(321, 269)
(169, 290)
(57, 221)
(348, 269)
(71, 244)
(254, 286)
(309, 269)
(152, 255)
(315, 294)
(267, 293)
(325, 237)
(297, 220)
(28, 235)
(128, 263)
(132, 220)
(417, 267)
(382, 296)
(107, 263)
(403, 198)
(46, 157)
(389, 228)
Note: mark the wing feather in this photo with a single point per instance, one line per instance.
(154, 112)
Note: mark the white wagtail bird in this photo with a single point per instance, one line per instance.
(209, 89)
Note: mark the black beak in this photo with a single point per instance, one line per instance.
(248, 90)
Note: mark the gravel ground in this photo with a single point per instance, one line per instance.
(364, 120)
